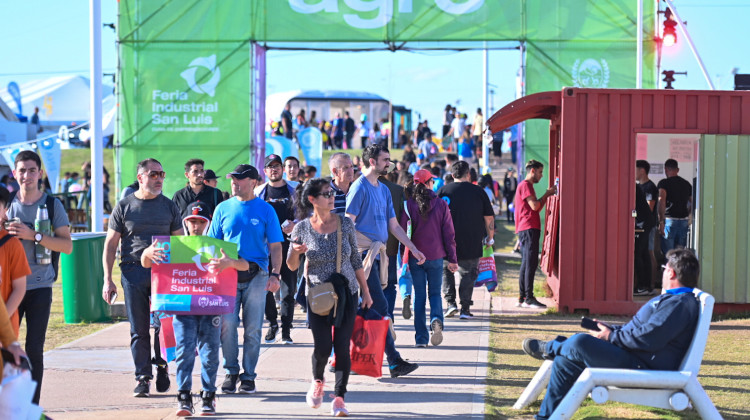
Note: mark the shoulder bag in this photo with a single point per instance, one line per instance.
(322, 297)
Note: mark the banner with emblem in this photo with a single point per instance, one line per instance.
(184, 284)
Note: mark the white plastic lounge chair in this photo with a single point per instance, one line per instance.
(671, 390)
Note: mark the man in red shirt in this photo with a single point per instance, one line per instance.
(528, 229)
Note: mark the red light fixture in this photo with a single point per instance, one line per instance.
(669, 35)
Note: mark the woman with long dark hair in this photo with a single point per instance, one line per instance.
(316, 237)
(432, 233)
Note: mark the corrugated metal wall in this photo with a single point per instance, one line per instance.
(597, 178)
(724, 228)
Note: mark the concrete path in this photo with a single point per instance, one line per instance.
(93, 378)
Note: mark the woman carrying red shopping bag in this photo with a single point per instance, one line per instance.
(330, 247)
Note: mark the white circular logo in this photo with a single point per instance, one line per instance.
(210, 86)
(203, 301)
(590, 73)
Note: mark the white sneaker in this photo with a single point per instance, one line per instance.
(315, 394)
(338, 409)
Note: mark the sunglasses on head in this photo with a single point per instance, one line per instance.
(327, 194)
(155, 174)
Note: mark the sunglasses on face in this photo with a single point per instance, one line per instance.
(155, 174)
(327, 194)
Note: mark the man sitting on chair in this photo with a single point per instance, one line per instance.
(657, 338)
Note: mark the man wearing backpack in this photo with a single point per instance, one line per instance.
(37, 301)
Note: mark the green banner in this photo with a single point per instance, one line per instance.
(322, 20)
(183, 101)
(186, 69)
(199, 249)
(601, 54)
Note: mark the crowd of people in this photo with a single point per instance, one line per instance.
(380, 226)
(377, 230)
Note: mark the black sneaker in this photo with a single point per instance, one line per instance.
(452, 310)
(162, 378)
(406, 309)
(230, 384)
(208, 407)
(271, 334)
(436, 333)
(143, 389)
(403, 368)
(465, 314)
(184, 404)
(286, 337)
(247, 387)
(642, 292)
(531, 302)
(534, 348)
(520, 303)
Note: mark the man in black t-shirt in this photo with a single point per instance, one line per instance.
(675, 205)
(280, 195)
(647, 186)
(473, 220)
(135, 220)
(196, 189)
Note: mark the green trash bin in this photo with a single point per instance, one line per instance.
(82, 275)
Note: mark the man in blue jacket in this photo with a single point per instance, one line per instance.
(657, 338)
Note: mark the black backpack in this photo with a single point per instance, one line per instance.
(50, 202)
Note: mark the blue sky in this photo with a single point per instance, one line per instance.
(44, 38)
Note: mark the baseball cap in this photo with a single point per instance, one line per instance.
(420, 156)
(270, 159)
(210, 175)
(243, 171)
(423, 176)
(197, 209)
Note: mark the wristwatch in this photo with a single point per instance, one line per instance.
(37, 237)
(276, 275)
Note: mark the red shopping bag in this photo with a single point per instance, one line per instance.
(368, 346)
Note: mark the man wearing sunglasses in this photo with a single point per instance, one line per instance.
(252, 224)
(135, 220)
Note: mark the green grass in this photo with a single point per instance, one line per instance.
(725, 373)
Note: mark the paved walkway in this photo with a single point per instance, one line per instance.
(93, 378)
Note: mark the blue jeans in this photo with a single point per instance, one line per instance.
(136, 285)
(571, 357)
(675, 235)
(427, 278)
(390, 289)
(205, 331)
(380, 305)
(252, 297)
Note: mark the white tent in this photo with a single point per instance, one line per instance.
(61, 100)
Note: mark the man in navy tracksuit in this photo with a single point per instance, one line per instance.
(657, 338)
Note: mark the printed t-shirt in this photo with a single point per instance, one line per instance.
(252, 225)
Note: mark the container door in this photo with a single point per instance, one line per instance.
(723, 241)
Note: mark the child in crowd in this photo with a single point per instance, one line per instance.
(203, 330)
